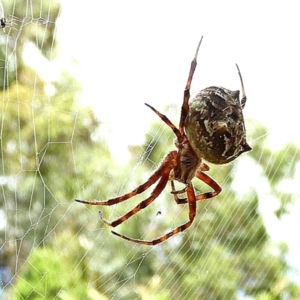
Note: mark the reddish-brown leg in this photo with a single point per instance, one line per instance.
(155, 193)
(141, 188)
(192, 213)
(175, 194)
(186, 96)
(169, 123)
(210, 182)
(207, 195)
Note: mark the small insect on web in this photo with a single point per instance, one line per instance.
(211, 128)
(10, 22)
(2, 18)
(4, 23)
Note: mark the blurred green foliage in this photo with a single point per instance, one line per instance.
(54, 276)
(51, 152)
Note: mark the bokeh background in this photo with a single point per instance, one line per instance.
(74, 78)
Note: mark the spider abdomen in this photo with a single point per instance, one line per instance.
(215, 125)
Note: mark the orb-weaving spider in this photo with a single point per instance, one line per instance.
(211, 127)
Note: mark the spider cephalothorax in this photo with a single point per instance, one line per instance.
(211, 127)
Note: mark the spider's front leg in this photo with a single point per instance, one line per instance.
(186, 96)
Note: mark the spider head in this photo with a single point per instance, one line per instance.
(187, 163)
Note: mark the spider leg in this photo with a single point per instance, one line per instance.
(244, 97)
(207, 195)
(210, 182)
(191, 200)
(155, 193)
(176, 192)
(168, 122)
(141, 188)
(186, 97)
(192, 213)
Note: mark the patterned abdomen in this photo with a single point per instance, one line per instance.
(215, 125)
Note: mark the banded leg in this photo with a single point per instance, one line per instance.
(207, 195)
(186, 96)
(141, 188)
(210, 182)
(155, 193)
(175, 194)
(168, 122)
(192, 213)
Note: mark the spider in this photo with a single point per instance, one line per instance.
(211, 127)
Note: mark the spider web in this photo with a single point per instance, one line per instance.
(74, 77)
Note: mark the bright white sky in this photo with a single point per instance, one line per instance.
(129, 52)
(126, 53)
